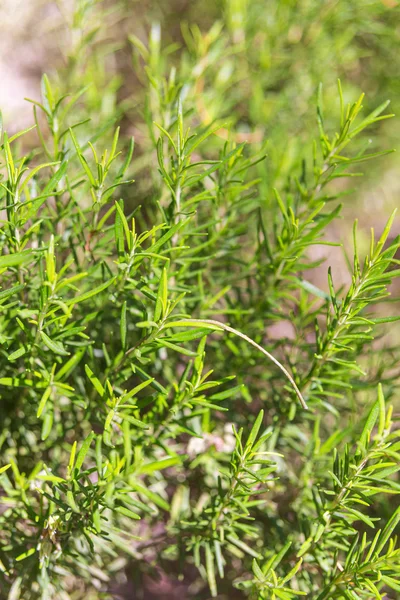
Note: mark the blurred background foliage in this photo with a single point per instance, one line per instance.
(253, 64)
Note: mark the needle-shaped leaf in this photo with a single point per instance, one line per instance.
(84, 449)
(52, 345)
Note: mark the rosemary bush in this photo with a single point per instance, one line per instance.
(153, 422)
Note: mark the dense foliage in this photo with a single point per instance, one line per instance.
(182, 395)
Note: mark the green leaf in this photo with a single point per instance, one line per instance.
(311, 288)
(122, 232)
(243, 546)
(47, 93)
(167, 135)
(16, 259)
(123, 327)
(161, 302)
(167, 236)
(159, 465)
(138, 388)
(82, 159)
(163, 343)
(210, 570)
(360, 516)
(385, 234)
(55, 180)
(382, 410)
(387, 531)
(26, 554)
(219, 558)
(5, 294)
(83, 452)
(254, 431)
(152, 496)
(334, 440)
(257, 571)
(72, 457)
(126, 512)
(94, 292)
(380, 320)
(17, 354)
(70, 365)
(55, 347)
(293, 572)
(199, 140)
(370, 424)
(133, 421)
(227, 393)
(96, 383)
(277, 558)
(392, 583)
(47, 424)
(52, 478)
(43, 401)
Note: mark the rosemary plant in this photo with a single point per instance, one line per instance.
(151, 424)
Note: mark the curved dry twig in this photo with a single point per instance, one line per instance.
(217, 325)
